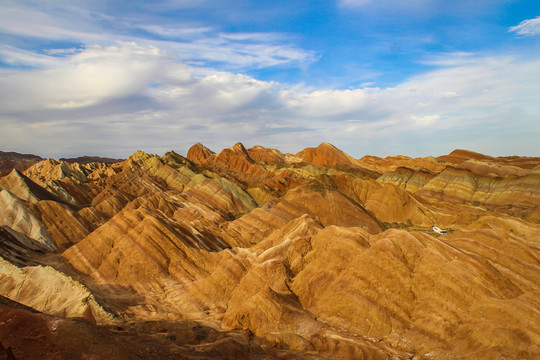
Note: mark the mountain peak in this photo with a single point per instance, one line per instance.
(325, 144)
(239, 147)
(199, 153)
(140, 156)
(326, 154)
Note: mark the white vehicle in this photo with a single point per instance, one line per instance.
(438, 230)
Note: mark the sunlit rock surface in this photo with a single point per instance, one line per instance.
(251, 253)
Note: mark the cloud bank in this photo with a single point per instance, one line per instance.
(126, 96)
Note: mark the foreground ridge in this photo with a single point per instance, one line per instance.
(254, 253)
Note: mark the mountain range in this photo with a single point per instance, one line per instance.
(251, 253)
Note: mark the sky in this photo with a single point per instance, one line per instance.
(377, 77)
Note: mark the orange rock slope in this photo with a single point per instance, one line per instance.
(258, 254)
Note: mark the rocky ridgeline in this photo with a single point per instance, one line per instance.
(254, 253)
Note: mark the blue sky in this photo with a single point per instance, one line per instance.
(385, 77)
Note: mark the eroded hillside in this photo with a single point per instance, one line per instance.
(257, 254)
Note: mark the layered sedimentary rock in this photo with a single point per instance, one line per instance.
(237, 159)
(200, 153)
(326, 154)
(409, 179)
(254, 253)
(17, 215)
(64, 224)
(390, 163)
(48, 290)
(24, 188)
(483, 164)
(513, 194)
(462, 185)
(266, 155)
(423, 295)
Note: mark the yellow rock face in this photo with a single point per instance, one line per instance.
(50, 291)
(313, 255)
(16, 215)
(63, 223)
(517, 195)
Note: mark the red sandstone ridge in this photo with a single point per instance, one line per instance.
(482, 164)
(235, 158)
(265, 155)
(252, 253)
(391, 163)
(199, 153)
(326, 154)
(458, 156)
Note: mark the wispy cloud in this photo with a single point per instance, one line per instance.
(240, 54)
(421, 7)
(26, 58)
(527, 27)
(190, 42)
(450, 59)
(37, 21)
(174, 32)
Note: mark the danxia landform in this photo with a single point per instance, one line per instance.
(252, 253)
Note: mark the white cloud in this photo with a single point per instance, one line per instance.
(212, 95)
(451, 94)
(527, 27)
(265, 37)
(177, 32)
(19, 57)
(240, 54)
(424, 121)
(488, 97)
(450, 59)
(61, 51)
(328, 103)
(93, 75)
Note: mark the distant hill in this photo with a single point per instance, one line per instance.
(91, 159)
(12, 160)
